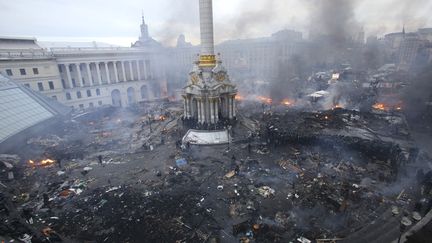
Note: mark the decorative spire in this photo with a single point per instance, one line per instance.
(144, 29)
(403, 30)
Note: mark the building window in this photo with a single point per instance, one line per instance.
(27, 85)
(70, 68)
(88, 93)
(51, 84)
(23, 71)
(81, 106)
(35, 71)
(99, 102)
(97, 92)
(40, 86)
(64, 84)
(91, 105)
(73, 83)
(54, 97)
(60, 69)
(79, 94)
(9, 72)
(68, 96)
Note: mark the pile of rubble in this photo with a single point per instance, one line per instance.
(297, 177)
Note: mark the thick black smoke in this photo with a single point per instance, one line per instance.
(333, 19)
(184, 19)
(417, 97)
(248, 21)
(333, 29)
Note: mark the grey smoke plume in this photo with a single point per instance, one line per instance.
(244, 24)
(248, 21)
(417, 95)
(183, 19)
(410, 13)
(335, 19)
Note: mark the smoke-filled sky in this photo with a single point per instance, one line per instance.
(117, 22)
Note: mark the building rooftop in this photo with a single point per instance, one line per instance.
(21, 108)
(69, 44)
(18, 43)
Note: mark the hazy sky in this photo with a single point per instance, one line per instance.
(117, 22)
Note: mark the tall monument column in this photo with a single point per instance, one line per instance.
(208, 84)
(207, 56)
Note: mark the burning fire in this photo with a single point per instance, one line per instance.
(239, 97)
(45, 162)
(337, 106)
(162, 118)
(286, 102)
(380, 106)
(386, 107)
(264, 99)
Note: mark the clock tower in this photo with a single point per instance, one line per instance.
(209, 96)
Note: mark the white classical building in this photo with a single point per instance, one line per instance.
(22, 60)
(88, 77)
(209, 95)
(116, 76)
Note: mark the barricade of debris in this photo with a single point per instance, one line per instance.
(299, 178)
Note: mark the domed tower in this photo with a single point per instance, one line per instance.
(209, 95)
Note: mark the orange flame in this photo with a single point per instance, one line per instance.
(380, 106)
(239, 97)
(265, 99)
(287, 102)
(45, 162)
(338, 106)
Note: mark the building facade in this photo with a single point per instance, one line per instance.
(257, 58)
(118, 77)
(406, 49)
(85, 78)
(95, 76)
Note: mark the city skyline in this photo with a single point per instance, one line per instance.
(118, 23)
